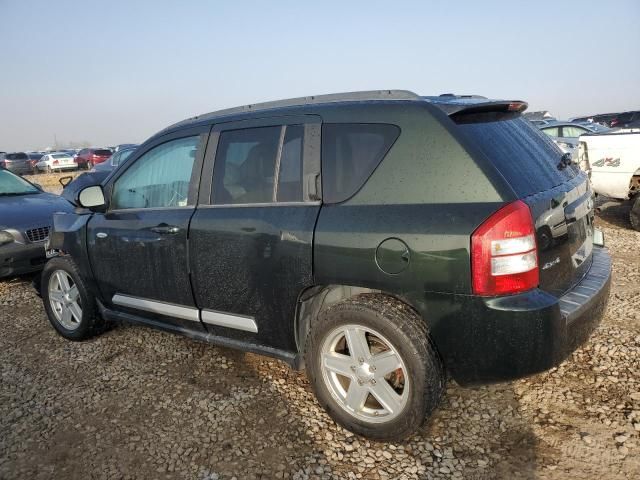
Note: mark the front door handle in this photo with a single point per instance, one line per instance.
(101, 235)
(165, 229)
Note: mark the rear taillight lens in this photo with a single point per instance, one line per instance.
(504, 256)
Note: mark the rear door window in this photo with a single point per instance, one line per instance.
(245, 166)
(526, 158)
(259, 165)
(350, 154)
(573, 132)
(552, 131)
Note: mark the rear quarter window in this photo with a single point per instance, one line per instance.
(526, 157)
(350, 154)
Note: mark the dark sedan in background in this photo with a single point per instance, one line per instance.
(26, 214)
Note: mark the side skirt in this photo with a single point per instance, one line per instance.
(290, 358)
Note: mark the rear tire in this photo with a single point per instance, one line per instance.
(70, 306)
(634, 214)
(373, 367)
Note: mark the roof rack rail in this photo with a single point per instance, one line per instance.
(314, 99)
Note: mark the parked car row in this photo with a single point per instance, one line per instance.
(33, 162)
(630, 119)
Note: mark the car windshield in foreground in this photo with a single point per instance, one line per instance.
(11, 184)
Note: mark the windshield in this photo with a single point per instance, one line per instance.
(102, 153)
(60, 155)
(122, 157)
(11, 184)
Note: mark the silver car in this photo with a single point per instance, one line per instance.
(18, 162)
(566, 134)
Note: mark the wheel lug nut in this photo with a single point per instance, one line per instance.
(372, 368)
(353, 368)
(360, 382)
(360, 359)
(373, 382)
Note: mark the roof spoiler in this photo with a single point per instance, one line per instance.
(471, 105)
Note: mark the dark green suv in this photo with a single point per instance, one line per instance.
(378, 239)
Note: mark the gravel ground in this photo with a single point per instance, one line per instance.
(136, 403)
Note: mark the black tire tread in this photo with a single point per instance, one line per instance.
(634, 214)
(406, 321)
(92, 323)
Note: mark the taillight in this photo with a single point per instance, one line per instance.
(504, 256)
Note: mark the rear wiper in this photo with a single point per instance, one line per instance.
(565, 161)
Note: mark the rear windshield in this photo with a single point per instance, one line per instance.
(17, 156)
(525, 157)
(102, 153)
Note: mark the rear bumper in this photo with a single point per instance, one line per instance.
(17, 258)
(488, 340)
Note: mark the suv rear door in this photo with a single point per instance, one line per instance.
(251, 238)
(558, 194)
(138, 248)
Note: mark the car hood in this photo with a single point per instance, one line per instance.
(31, 211)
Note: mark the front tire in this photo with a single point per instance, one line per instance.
(373, 367)
(70, 307)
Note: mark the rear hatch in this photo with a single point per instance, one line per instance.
(557, 193)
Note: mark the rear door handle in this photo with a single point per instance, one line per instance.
(165, 229)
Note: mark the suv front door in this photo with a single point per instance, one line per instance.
(138, 248)
(251, 238)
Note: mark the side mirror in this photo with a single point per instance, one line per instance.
(92, 198)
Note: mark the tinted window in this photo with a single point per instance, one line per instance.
(244, 170)
(102, 152)
(159, 178)
(350, 154)
(17, 156)
(290, 176)
(526, 158)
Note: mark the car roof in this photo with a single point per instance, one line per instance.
(448, 102)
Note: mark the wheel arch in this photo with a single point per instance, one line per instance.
(317, 298)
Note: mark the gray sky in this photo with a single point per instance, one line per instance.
(118, 71)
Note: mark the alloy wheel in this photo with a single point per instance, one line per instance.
(364, 373)
(64, 298)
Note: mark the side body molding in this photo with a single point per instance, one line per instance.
(222, 319)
